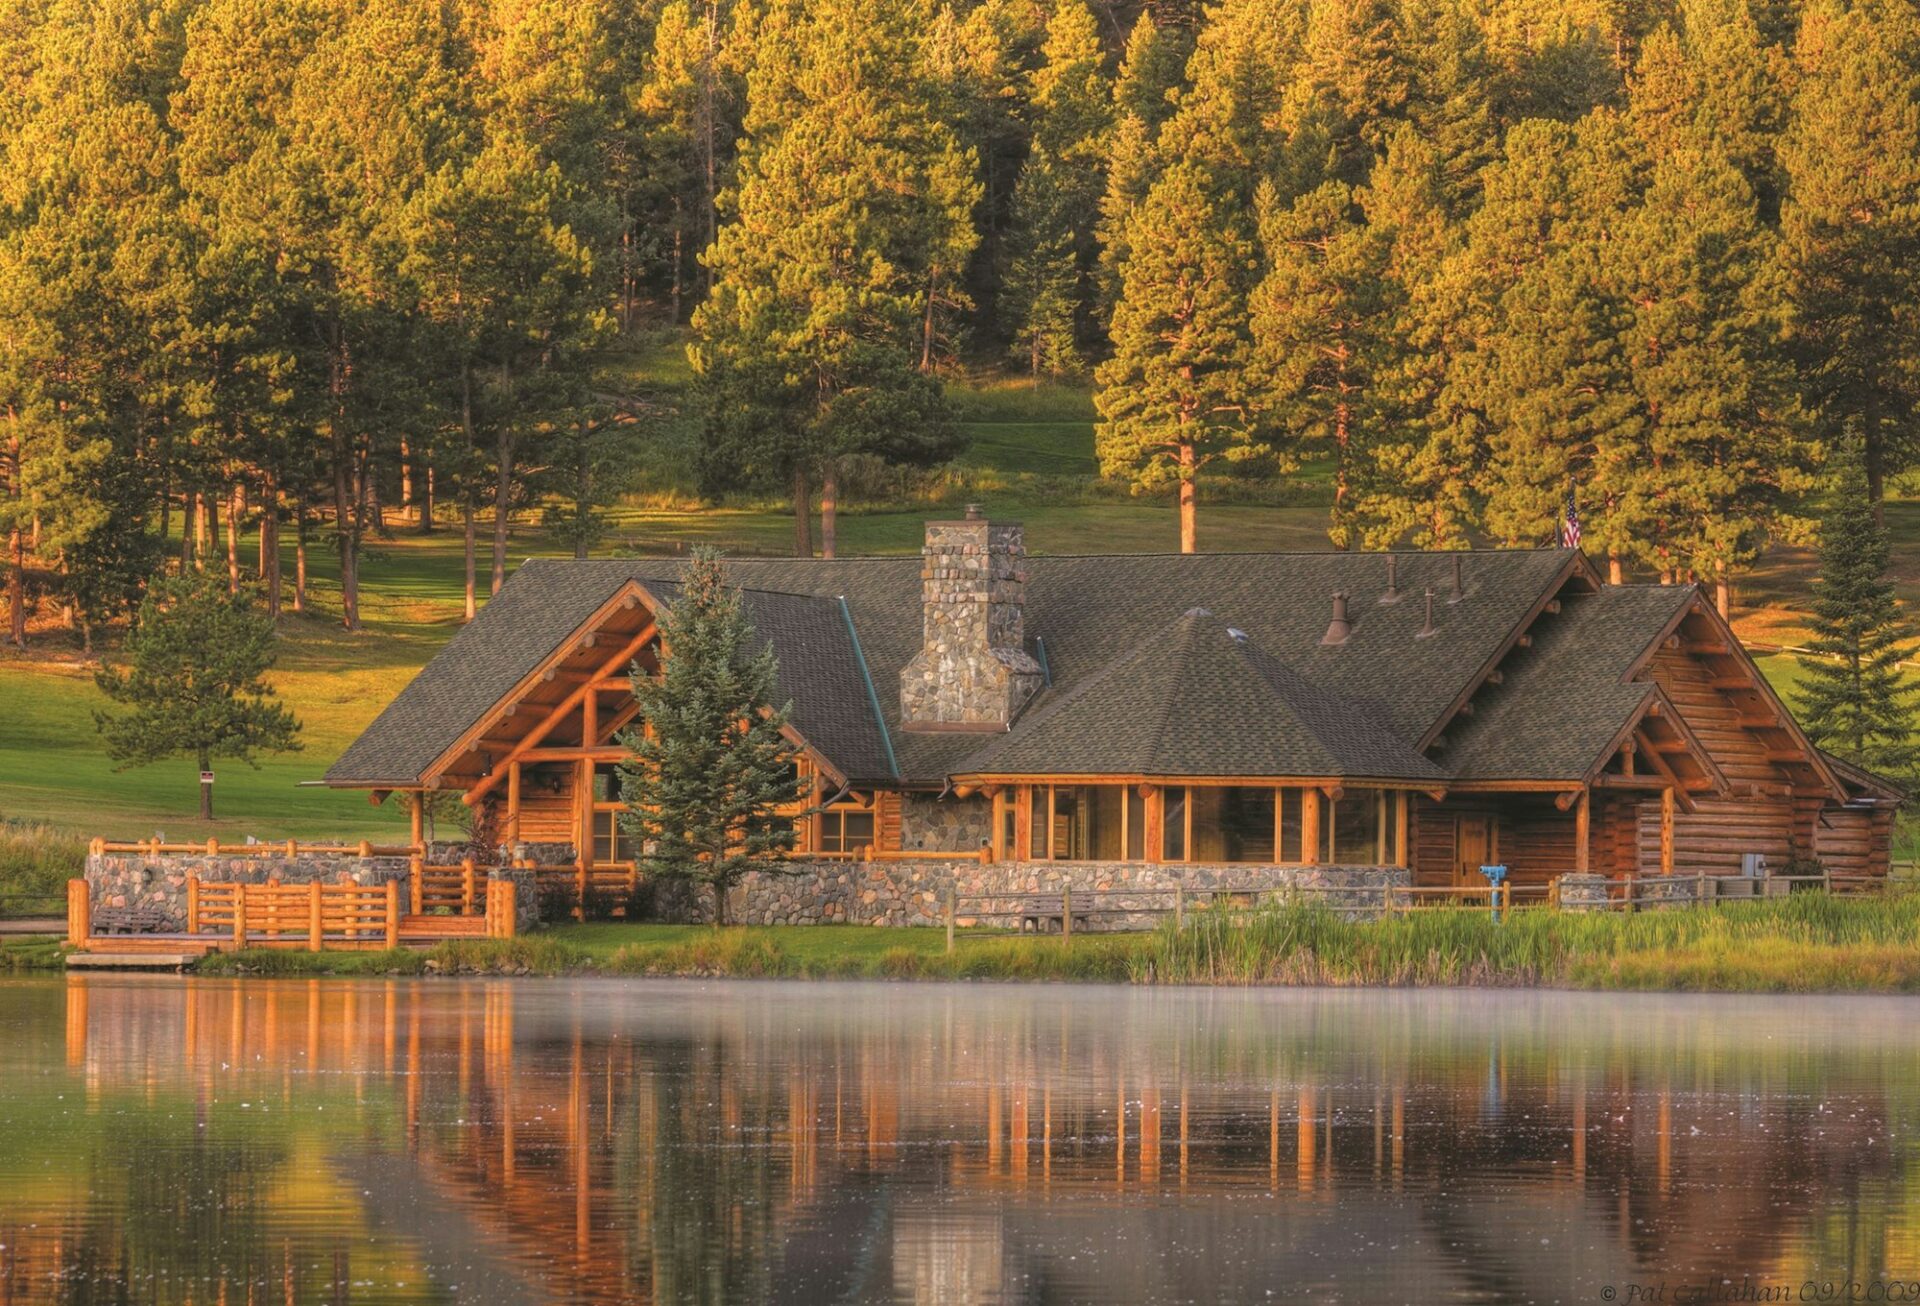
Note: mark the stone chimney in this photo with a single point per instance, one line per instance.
(973, 671)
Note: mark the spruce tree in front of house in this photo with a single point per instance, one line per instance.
(1853, 700)
(198, 656)
(710, 767)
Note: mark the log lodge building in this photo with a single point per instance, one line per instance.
(1435, 712)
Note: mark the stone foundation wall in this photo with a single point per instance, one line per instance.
(129, 880)
(929, 823)
(915, 893)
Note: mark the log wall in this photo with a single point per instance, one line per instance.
(1765, 816)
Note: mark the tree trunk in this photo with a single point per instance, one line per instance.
(1616, 573)
(1189, 501)
(1723, 595)
(346, 505)
(1874, 454)
(502, 494)
(16, 543)
(830, 508)
(472, 532)
(206, 790)
(236, 506)
(709, 131)
(187, 528)
(679, 255)
(424, 519)
(300, 552)
(719, 903)
(270, 544)
(926, 326)
(802, 513)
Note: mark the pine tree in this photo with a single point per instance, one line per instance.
(1450, 97)
(1177, 394)
(710, 766)
(1318, 321)
(1854, 700)
(848, 207)
(1046, 297)
(1850, 227)
(1143, 96)
(196, 681)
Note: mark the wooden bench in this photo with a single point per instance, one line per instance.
(145, 919)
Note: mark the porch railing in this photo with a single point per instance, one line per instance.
(279, 848)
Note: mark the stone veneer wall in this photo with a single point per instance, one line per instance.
(973, 668)
(915, 892)
(929, 823)
(139, 880)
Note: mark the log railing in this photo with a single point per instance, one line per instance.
(279, 848)
(311, 915)
(458, 888)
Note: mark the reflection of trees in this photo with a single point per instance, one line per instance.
(713, 1202)
(725, 1143)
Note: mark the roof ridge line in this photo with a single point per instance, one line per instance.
(873, 699)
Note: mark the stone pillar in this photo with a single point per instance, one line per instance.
(1583, 892)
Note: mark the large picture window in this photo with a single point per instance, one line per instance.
(1358, 824)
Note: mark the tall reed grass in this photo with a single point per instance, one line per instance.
(36, 861)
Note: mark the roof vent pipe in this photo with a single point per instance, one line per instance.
(1428, 631)
(1339, 628)
(1459, 590)
(1393, 579)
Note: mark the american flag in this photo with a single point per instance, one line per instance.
(1570, 524)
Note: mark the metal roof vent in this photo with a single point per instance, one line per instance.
(1236, 634)
(1459, 589)
(1429, 630)
(1393, 579)
(1339, 628)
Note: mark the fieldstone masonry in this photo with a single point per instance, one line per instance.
(915, 892)
(973, 669)
(931, 823)
(121, 881)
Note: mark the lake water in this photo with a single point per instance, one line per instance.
(185, 1141)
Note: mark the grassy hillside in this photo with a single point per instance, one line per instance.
(1030, 456)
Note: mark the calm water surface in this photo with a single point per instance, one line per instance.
(536, 1141)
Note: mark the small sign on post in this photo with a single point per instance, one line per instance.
(206, 777)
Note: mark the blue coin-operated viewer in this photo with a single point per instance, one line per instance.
(1496, 876)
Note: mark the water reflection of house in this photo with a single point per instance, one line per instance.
(687, 1144)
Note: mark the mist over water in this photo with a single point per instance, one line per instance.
(613, 1141)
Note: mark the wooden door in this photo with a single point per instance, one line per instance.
(1473, 847)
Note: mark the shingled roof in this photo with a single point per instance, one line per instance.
(1562, 704)
(1200, 698)
(839, 625)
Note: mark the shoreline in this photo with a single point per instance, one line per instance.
(1807, 943)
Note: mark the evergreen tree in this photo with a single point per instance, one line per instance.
(1450, 97)
(1177, 394)
(1047, 296)
(1143, 96)
(710, 766)
(1850, 227)
(1318, 322)
(848, 203)
(1854, 699)
(196, 681)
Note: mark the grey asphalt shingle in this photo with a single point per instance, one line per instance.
(1200, 698)
(1564, 700)
(1081, 613)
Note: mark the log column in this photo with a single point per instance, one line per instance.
(1310, 851)
(1582, 830)
(1666, 831)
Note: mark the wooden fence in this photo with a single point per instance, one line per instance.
(313, 916)
(458, 889)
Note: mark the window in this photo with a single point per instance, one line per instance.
(1173, 840)
(1355, 837)
(1231, 823)
(845, 830)
(1292, 803)
(611, 843)
(1087, 823)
